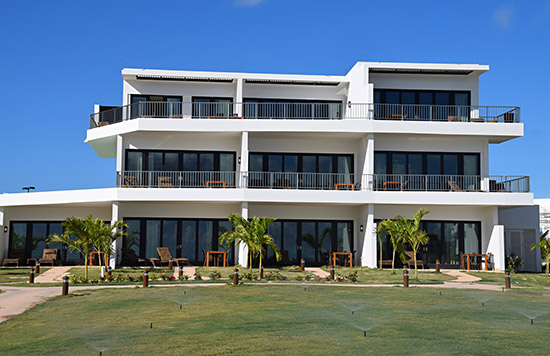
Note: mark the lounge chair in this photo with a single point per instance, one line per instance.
(410, 260)
(49, 255)
(166, 256)
(130, 258)
(15, 257)
(454, 187)
(165, 182)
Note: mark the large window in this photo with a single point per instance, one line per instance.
(426, 171)
(186, 238)
(422, 104)
(305, 171)
(27, 240)
(310, 239)
(292, 109)
(190, 168)
(155, 106)
(447, 240)
(212, 107)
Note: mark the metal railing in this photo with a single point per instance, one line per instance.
(446, 183)
(176, 179)
(305, 111)
(322, 181)
(296, 180)
(452, 113)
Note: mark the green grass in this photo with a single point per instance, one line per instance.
(290, 272)
(533, 280)
(17, 274)
(376, 276)
(280, 320)
(95, 272)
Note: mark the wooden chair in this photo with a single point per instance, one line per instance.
(285, 260)
(165, 182)
(130, 181)
(410, 260)
(49, 255)
(490, 262)
(454, 187)
(346, 258)
(15, 257)
(166, 256)
(130, 258)
(385, 263)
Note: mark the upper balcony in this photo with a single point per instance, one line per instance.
(305, 111)
(323, 181)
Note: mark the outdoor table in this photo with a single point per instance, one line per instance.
(468, 255)
(343, 185)
(220, 182)
(391, 183)
(208, 253)
(349, 254)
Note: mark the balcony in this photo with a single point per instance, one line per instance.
(323, 181)
(305, 111)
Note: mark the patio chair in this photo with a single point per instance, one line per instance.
(346, 258)
(454, 187)
(15, 257)
(410, 260)
(130, 181)
(49, 255)
(166, 256)
(285, 260)
(490, 262)
(131, 259)
(165, 182)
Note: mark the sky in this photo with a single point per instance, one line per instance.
(59, 58)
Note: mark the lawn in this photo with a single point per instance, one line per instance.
(94, 272)
(534, 280)
(375, 276)
(280, 320)
(290, 272)
(17, 274)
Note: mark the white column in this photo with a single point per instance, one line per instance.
(484, 164)
(368, 236)
(243, 167)
(368, 164)
(242, 248)
(239, 97)
(496, 247)
(3, 236)
(119, 153)
(117, 245)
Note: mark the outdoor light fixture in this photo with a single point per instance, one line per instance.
(239, 160)
(6, 228)
(361, 228)
(349, 104)
(28, 189)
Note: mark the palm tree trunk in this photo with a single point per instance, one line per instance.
(547, 265)
(380, 255)
(85, 266)
(260, 265)
(415, 267)
(250, 258)
(393, 261)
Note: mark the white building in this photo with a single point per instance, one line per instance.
(328, 156)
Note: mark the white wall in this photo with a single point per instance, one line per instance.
(183, 141)
(177, 210)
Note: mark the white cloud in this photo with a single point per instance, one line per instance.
(248, 2)
(503, 16)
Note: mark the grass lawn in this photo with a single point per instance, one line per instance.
(534, 280)
(280, 320)
(17, 274)
(289, 272)
(375, 276)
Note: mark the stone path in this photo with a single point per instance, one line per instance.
(50, 275)
(188, 270)
(317, 271)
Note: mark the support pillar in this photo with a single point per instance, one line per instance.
(116, 247)
(369, 250)
(243, 157)
(496, 247)
(3, 236)
(242, 248)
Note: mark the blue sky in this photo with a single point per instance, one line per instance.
(60, 57)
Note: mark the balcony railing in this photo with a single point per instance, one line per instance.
(305, 111)
(323, 181)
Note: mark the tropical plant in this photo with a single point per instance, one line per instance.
(544, 245)
(395, 230)
(76, 236)
(253, 234)
(412, 235)
(513, 263)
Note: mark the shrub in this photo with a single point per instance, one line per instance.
(215, 275)
(198, 277)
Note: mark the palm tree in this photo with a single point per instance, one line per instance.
(544, 245)
(241, 233)
(108, 235)
(262, 239)
(413, 235)
(84, 241)
(395, 230)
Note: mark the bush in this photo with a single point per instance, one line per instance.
(274, 276)
(513, 263)
(215, 275)
(198, 277)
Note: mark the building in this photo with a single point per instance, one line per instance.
(328, 156)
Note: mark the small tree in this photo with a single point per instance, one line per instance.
(395, 231)
(262, 240)
(83, 241)
(544, 245)
(413, 236)
(241, 233)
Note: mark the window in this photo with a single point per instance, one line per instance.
(155, 106)
(292, 109)
(212, 107)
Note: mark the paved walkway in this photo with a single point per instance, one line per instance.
(190, 271)
(51, 275)
(317, 271)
